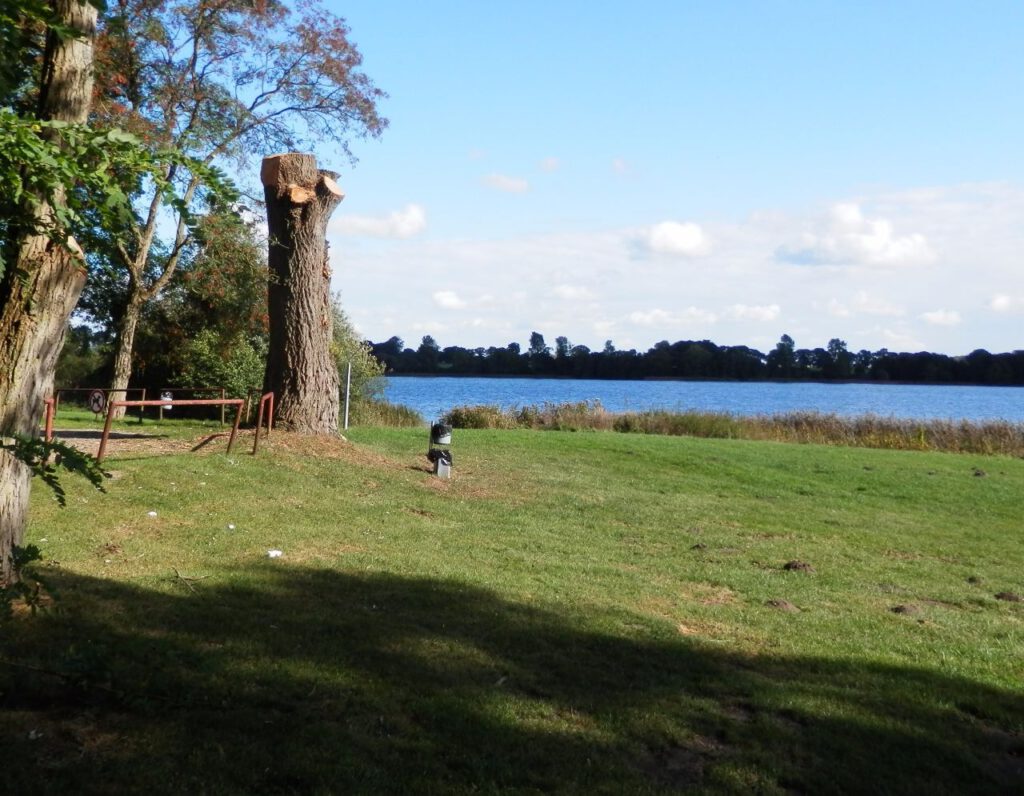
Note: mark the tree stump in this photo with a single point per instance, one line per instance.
(301, 371)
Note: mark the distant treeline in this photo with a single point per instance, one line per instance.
(700, 359)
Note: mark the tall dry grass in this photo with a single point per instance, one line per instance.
(869, 431)
(383, 413)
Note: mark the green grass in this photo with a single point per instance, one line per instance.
(572, 612)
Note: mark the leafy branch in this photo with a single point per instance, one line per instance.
(46, 459)
(97, 164)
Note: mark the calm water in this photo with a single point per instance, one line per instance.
(431, 396)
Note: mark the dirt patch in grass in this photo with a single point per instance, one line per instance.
(783, 605)
(682, 766)
(907, 610)
(1009, 596)
(124, 443)
(797, 566)
(708, 593)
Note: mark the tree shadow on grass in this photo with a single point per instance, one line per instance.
(307, 680)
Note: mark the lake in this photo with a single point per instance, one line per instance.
(431, 396)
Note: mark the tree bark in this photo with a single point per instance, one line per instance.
(301, 371)
(123, 354)
(38, 294)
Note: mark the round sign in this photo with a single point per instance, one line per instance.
(97, 401)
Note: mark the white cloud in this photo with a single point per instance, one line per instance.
(550, 164)
(863, 303)
(537, 279)
(501, 182)
(837, 309)
(757, 313)
(659, 317)
(901, 341)
(573, 292)
(405, 223)
(942, 317)
(448, 300)
(847, 237)
(684, 239)
(620, 166)
(1004, 303)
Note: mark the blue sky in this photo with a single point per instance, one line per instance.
(667, 170)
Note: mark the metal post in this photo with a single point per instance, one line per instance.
(106, 431)
(234, 428)
(348, 390)
(51, 410)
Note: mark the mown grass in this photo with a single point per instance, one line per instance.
(571, 612)
(870, 431)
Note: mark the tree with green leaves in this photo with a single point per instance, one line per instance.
(220, 80)
(59, 178)
(42, 263)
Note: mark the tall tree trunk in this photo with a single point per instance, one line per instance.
(123, 355)
(300, 368)
(38, 294)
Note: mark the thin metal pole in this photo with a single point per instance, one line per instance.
(106, 431)
(348, 389)
(51, 410)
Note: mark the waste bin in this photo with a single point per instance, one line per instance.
(441, 434)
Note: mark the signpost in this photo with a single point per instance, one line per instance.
(98, 401)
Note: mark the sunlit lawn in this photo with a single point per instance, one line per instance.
(595, 611)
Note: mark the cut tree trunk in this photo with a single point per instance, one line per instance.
(38, 294)
(301, 371)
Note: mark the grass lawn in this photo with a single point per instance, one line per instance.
(572, 612)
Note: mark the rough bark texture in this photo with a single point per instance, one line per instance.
(123, 354)
(38, 294)
(300, 368)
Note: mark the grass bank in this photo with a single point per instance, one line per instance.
(869, 431)
(601, 612)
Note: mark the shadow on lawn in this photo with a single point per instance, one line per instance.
(307, 680)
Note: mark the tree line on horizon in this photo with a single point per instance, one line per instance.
(700, 359)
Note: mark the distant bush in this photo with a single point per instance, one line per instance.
(869, 431)
(371, 412)
(236, 364)
(482, 416)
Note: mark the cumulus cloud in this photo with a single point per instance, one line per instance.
(848, 237)
(675, 238)
(405, 223)
(942, 317)
(659, 317)
(573, 292)
(1004, 303)
(550, 164)
(448, 300)
(506, 184)
(767, 312)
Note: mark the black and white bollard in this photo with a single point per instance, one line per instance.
(441, 458)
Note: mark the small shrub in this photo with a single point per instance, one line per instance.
(480, 416)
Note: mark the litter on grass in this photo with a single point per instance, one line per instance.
(274, 554)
